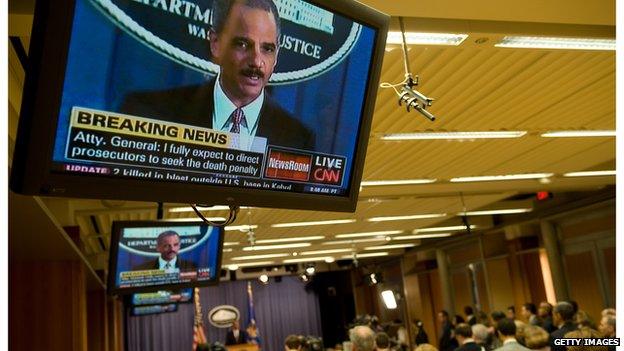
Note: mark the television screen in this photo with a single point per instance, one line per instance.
(162, 297)
(153, 309)
(158, 255)
(265, 103)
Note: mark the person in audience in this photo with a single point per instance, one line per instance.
(425, 347)
(446, 342)
(511, 312)
(497, 316)
(545, 316)
(529, 313)
(608, 311)
(582, 319)
(506, 329)
(292, 343)
(607, 326)
(520, 325)
(536, 338)
(481, 335)
(563, 319)
(235, 335)
(470, 318)
(585, 333)
(418, 330)
(383, 341)
(463, 334)
(375, 325)
(402, 338)
(482, 318)
(362, 338)
(458, 319)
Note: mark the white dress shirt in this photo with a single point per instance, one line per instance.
(162, 263)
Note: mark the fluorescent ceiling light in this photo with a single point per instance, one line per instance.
(454, 135)
(354, 241)
(227, 250)
(501, 177)
(212, 219)
(365, 255)
(322, 252)
(406, 237)
(305, 224)
(202, 209)
(397, 182)
(388, 299)
(401, 218)
(357, 235)
(307, 259)
(329, 259)
(254, 264)
(556, 43)
(389, 247)
(589, 174)
(231, 243)
(274, 247)
(429, 236)
(242, 228)
(416, 38)
(442, 229)
(495, 212)
(579, 133)
(287, 240)
(258, 257)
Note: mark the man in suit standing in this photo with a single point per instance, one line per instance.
(235, 335)
(506, 329)
(563, 318)
(463, 334)
(244, 42)
(168, 245)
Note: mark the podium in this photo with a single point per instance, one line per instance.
(243, 347)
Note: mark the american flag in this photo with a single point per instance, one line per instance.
(199, 336)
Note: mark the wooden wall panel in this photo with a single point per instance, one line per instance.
(609, 260)
(500, 284)
(97, 326)
(583, 283)
(464, 255)
(115, 325)
(591, 225)
(462, 290)
(48, 306)
(428, 315)
(534, 279)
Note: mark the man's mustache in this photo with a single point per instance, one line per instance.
(252, 71)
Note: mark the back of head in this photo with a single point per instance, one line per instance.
(425, 347)
(497, 316)
(585, 333)
(565, 310)
(382, 340)
(362, 338)
(608, 312)
(535, 337)
(464, 330)
(529, 306)
(292, 342)
(545, 308)
(507, 327)
(480, 333)
(468, 310)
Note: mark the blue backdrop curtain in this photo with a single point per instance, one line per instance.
(281, 309)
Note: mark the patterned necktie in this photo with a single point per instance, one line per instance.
(238, 119)
(167, 265)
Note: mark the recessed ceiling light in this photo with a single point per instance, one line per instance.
(525, 42)
(258, 257)
(579, 134)
(233, 267)
(590, 174)
(354, 241)
(275, 247)
(287, 240)
(254, 264)
(416, 38)
(364, 255)
(389, 247)
(495, 212)
(322, 252)
(330, 259)
(305, 224)
(401, 218)
(397, 182)
(442, 229)
(242, 228)
(307, 259)
(501, 177)
(454, 135)
(357, 235)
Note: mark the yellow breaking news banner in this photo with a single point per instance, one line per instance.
(106, 121)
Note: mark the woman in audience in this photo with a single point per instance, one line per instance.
(536, 338)
(585, 333)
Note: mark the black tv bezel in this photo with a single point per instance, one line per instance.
(111, 286)
(32, 162)
(129, 302)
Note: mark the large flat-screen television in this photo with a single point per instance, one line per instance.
(163, 255)
(266, 103)
(161, 297)
(137, 311)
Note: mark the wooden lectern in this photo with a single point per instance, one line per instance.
(243, 347)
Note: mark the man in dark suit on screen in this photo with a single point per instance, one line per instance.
(168, 245)
(244, 42)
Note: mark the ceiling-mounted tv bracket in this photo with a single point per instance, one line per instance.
(231, 218)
